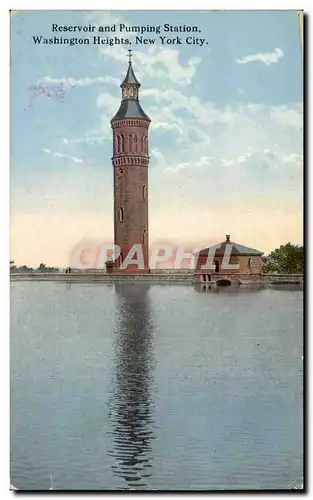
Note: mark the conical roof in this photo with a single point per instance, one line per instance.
(130, 106)
(130, 77)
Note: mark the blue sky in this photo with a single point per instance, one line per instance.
(225, 138)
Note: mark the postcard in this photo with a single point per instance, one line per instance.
(156, 272)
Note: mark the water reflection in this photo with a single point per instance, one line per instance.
(287, 287)
(131, 405)
(228, 290)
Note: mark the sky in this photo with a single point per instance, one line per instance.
(225, 142)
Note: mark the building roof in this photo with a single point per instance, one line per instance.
(130, 108)
(130, 77)
(236, 249)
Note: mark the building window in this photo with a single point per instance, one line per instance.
(120, 214)
(135, 144)
(119, 143)
(144, 192)
(130, 143)
(131, 92)
(249, 263)
(144, 235)
(217, 266)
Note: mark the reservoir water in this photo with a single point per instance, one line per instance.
(133, 386)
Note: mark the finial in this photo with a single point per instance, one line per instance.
(129, 56)
(227, 238)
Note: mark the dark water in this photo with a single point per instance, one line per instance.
(160, 387)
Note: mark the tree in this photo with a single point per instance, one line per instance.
(46, 269)
(287, 259)
(25, 269)
(13, 267)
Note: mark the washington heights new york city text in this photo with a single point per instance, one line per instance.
(122, 34)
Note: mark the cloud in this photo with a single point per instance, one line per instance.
(61, 155)
(176, 168)
(267, 58)
(69, 81)
(158, 63)
(287, 116)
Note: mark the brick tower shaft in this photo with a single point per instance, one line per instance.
(130, 160)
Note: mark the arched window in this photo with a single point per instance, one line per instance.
(144, 236)
(249, 263)
(146, 145)
(123, 144)
(120, 214)
(135, 144)
(119, 143)
(144, 192)
(131, 92)
(130, 143)
(142, 144)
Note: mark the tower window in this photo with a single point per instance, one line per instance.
(249, 263)
(135, 143)
(144, 192)
(120, 214)
(119, 143)
(131, 92)
(144, 235)
(130, 143)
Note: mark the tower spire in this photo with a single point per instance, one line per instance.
(130, 106)
(130, 78)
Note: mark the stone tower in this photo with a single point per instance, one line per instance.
(130, 163)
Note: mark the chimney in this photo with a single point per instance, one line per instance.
(227, 238)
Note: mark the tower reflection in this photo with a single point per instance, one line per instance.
(131, 406)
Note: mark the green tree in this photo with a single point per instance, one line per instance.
(25, 269)
(287, 259)
(42, 268)
(13, 267)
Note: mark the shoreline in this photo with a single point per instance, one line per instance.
(169, 276)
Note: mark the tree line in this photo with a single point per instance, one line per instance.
(42, 268)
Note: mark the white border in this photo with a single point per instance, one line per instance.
(4, 169)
